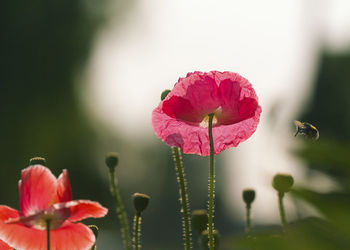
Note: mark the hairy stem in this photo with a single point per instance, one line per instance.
(183, 197)
(137, 231)
(211, 191)
(248, 224)
(120, 210)
(282, 211)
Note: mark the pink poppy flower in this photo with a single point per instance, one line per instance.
(181, 119)
(44, 197)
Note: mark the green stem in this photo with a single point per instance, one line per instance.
(211, 186)
(48, 222)
(248, 224)
(282, 211)
(120, 210)
(183, 198)
(137, 230)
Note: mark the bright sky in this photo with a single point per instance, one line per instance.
(273, 43)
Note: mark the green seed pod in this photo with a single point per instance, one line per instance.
(112, 160)
(37, 160)
(248, 196)
(204, 239)
(140, 201)
(200, 220)
(164, 94)
(282, 182)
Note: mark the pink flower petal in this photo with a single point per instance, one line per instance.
(198, 87)
(64, 190)
(231, 98)
(38, 188)
(82, 209)
(181, 108)
(229, 94)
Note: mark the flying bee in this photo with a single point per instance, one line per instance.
(307, 129)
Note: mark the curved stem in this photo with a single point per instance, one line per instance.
(183, 198)
(248, 224)
(48, 222)
(137, 230)
(282, 211)
(120, 210)
(211, 185)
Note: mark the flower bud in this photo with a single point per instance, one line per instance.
(248, 196)
(140, 201)
(112, 160)
(282, 182)
(204, 239)
(164, 94)
(200, 220)
(37, 160)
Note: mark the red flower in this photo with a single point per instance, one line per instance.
(181, 119)
(44, 197)
(4, 246)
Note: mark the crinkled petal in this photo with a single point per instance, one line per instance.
(81, 209)
(198, 88)
(64, 190)
(229, 99)
(195, 140)
(38, 188)
(181, 108)
(237, 114)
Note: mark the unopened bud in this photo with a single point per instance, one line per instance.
(140, 201)
(200, 220)
(37, 160)
(112, 160)
(164, 94)
(248, 196)
(282, 182)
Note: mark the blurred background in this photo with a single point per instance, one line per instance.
(80, 78)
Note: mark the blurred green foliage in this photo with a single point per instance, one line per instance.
(329, 110)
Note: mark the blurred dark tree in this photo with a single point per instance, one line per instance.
(44, 46)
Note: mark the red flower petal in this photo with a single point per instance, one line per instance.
(64, 190)
(38, 188)
(72, 236)
(82, 209)
(4, 246)
(231, 98)
(69, 236)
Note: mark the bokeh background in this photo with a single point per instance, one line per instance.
(80, 78)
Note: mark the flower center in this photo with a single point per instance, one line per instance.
(56, 220)
(205, 122)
